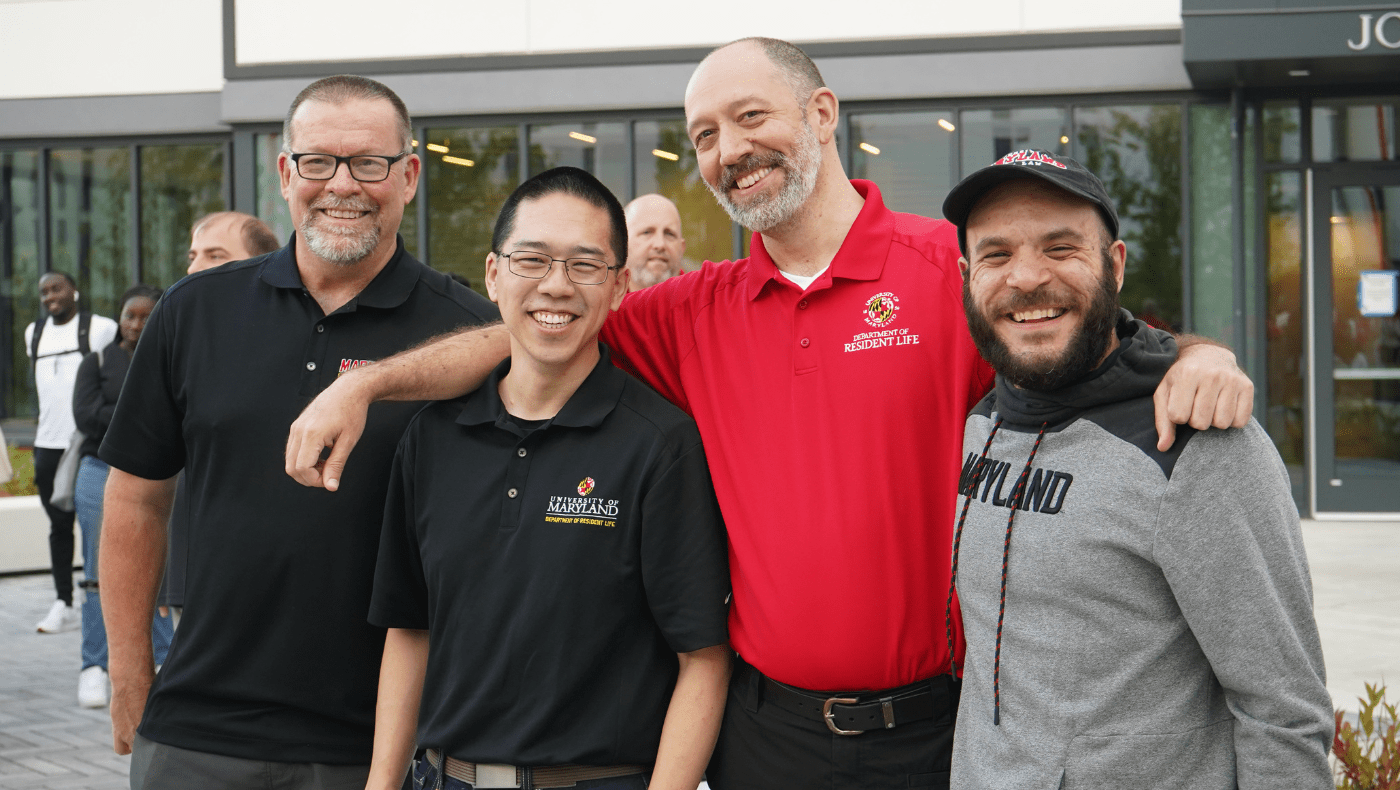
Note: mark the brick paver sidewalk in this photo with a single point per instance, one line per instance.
(46, 740)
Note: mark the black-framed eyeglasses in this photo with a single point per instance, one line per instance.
(363, 167)
(536, 266)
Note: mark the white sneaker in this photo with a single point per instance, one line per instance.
(61, 617)
(92, 687)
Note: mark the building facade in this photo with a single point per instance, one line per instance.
(1250, 144)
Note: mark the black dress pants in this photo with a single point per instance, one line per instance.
(765, 746)
(60, 523)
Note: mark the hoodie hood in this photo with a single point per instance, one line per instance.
(1133, 369)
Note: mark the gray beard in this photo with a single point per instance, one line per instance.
(345, 249)
(800, 171)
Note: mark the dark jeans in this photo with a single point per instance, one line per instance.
(60, 523)
(425, 777)
(765, 746)
(159, 766)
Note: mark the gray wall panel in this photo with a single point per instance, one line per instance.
(90, 116)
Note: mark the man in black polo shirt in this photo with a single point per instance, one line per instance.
(552, 542)
(272, 675)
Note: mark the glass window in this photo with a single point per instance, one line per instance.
(1136, 151)
(470, 172)
(666, 164)
(90, 216)
(909, 155)
(1283, 223)
(19, 255)
(271, 207)
(599, 148)
(1212, 224)
(1354, 129)
(179, 184)
(988, 135)
(1283, 141)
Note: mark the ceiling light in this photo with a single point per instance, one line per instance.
(587, 138)
(1299, 73)
(1064, 139)
(946, 124)
(665, 154)
(415, 144)
(1338, 220)
(438, 149)
(869, 149)
(457, 160)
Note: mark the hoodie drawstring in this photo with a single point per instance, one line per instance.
(957, 541)
(1014, 504)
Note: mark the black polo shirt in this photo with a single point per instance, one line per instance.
(273, 659)
(558, 571)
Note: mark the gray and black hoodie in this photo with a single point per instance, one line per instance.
(1145, 620)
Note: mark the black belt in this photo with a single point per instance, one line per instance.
(860, 711)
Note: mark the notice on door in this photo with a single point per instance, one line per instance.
(1376, 294)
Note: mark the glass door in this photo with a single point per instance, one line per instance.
(1356, 339)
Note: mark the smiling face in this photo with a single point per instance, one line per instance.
(58, 296)
(757, 150)
(654, 242)
(1041, 284)
(554, 322)
(343, 221)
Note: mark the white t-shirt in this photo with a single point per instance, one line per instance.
(56, 371)
(804, 282)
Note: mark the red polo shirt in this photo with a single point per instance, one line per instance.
(833, 422)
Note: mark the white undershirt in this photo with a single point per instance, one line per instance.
(804, 282)
(57, 370)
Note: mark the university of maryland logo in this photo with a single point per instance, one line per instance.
(880, 309)
(1028, 157)
(585, 486)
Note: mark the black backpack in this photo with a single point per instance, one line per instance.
(84, 324)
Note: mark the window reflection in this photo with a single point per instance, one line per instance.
(19, 255)
(1283, 124)
(1354, 130)
(1284, 314)
(179, 184)
(90, 212)
(470, 172)
(988, 135)
(1136, 151)
(909, 155)
(665, 163)
(599, 148)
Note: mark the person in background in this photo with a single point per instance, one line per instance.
(225, 236)
(655, 246)
(56, 344)
(95, 391)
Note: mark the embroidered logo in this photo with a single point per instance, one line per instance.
(582, 509)
(1028, 157)
(880, 309)
(347, 365)
(585, 486)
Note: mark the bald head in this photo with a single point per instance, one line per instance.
(791, 63)
(227, 236)
(655, 245)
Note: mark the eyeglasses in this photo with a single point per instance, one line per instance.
(363, 167)
(536, 266)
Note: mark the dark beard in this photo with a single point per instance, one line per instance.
(1086, 348)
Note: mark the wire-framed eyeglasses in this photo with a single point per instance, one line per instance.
(363, 167)
(536, 266)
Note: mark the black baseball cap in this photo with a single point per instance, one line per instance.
(1061, 171)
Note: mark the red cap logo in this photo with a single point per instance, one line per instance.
(1028, 157)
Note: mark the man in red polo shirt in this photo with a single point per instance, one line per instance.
(830, 374)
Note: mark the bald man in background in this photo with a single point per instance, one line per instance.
(655, 245)
(227, 236)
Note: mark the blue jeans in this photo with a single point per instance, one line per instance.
(425, 777)
(87, 501)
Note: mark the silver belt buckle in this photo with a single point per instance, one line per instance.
(495, 775)
(831, 717)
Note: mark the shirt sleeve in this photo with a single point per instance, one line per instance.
(29, 341)
(400, 596)
(648, 335)
(685, 567)
(1229, 542)
(146, 436)
(91, 412)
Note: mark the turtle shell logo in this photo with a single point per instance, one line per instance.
(585, 486)
(880, 309)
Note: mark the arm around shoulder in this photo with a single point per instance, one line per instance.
(1203, 388)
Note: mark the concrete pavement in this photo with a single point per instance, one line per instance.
(47, 741)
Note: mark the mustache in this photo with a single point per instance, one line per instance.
(729, 177)
(350, 204)
(1042, 297)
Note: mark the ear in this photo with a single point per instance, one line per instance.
(1118, 251)
(493, 269)
(963, 266)
(624, 283)
(682, 252)
(285, 166)
(412, 169)
(823, 114)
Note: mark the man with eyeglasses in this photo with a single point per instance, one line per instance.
(273, 674)
(553, 566)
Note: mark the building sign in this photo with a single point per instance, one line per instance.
(1376, 31)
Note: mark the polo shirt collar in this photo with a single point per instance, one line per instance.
(862, 254)
(590, 404)
(389, 289)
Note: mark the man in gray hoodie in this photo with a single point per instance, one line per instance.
(1134, 618)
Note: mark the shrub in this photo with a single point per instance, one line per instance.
(1368, 758)
(22, 484)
